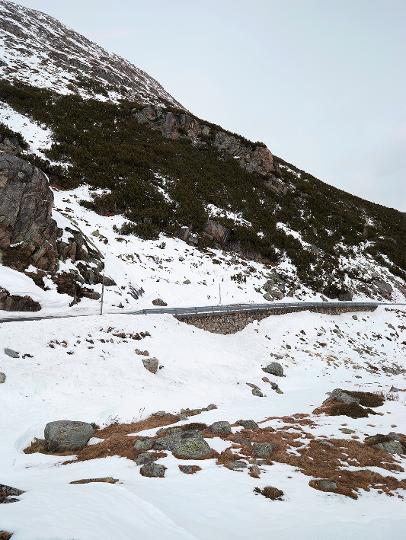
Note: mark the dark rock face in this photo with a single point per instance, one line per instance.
(217, 232)
(28, 233)
(12, 302)
(174, 124)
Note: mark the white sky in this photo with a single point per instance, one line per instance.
(321, 82)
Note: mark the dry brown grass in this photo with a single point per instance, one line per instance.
(337, 408)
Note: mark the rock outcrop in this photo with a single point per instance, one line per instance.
(28, 233)
(31, 242)
(12, 302)
(178, 123)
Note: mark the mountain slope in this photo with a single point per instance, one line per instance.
(37, 49)
(164, 173)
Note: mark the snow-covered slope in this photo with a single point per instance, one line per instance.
(37, 49)
(86, 369)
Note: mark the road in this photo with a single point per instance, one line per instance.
(204, 310)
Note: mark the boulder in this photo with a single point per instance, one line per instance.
(274, 368)
(151, 364)
(262, 450)
(192, 447)
(222, 428)
(67, 435)
(393, 443)
(275, 287)
(153, 470)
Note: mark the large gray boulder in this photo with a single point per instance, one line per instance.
(67, 435)
(192, 447)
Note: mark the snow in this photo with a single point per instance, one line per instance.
(38, 137)
(199, 368)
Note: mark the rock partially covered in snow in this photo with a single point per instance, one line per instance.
(2, 377)
(67, 435)
(151, 364)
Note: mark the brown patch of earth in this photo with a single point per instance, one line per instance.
(106, 480)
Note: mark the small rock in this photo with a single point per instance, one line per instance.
(222, 427)
(153, 470)
(144, 444)
(274, 368)
(189, 469)
(211, 407)
(151, 364)
(355, 317)
(247, 424)
(347, 431)
(11, 353)
(67, 435)
(159, 302)
(2, 377)
(327, 485)
(257, 392)
(270, 492)
(146, 457)
(262, 450)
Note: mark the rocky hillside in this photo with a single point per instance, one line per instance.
(37, 49)
(164, 173)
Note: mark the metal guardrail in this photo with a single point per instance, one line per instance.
(217, 309)
(237, 308)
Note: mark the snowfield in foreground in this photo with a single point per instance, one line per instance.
(88, 369)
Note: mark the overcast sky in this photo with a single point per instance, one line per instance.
(321, 82)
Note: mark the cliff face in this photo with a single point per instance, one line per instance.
(175, 124)
(28, 233)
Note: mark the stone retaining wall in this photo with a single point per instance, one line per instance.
(232, 322)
